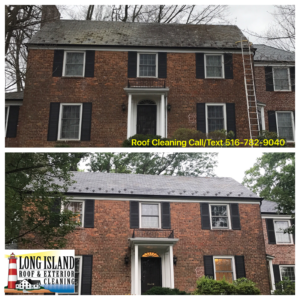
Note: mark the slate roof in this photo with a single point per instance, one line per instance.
(268, 207)
(14, 96)
(102, 33)
(29, 280)
(154, 185)
(268, 53)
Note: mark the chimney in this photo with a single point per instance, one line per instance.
(50, 13)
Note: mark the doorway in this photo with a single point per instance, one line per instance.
(146, 117)
(151, 273)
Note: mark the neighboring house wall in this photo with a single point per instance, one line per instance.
(108, 243)
(106, 93)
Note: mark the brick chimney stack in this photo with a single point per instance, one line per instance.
(50, 13)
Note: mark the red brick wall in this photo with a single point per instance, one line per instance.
(284, 254)
(105, 91)
(108, 243)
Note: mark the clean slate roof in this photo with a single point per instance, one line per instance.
(268, 53)
(103, 33)
(268, 206)
(155, 185)
(14, 96)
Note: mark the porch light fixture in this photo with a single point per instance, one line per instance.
(123, 107)
(175, 260)
(126, 259)
(169, 107)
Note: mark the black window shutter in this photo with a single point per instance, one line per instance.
(162, 65)
(293, 223)
(270, 231)
(200, 65)
(240, 266)
(209, 266)
(205, 219)
(235, 216)
(272, 121)
(292, 73)
(134, 214)
(12, 122)
(55, 213)
(276, 274)
(89, 213)
(230, 116)
(86, 121)
(166, 217)
(201, 123)
(53, 121)
(86, 277)
(132, 64)
(228, 66)
(89, 63)
(269, 79)
(58, 61)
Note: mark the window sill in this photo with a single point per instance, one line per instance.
(73, 77)
(283, 91)
(214, 78)
(68, 141)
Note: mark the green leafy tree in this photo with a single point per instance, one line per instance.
(32, 183)
(273, 178)
(175, 164)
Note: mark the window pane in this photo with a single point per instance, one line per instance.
(219, 222)
(288, 272)
(281, 79)
(147, 65)
(215, 118)
(282, 237)
(228, 276)
(76, 208)
(213, 66)
(285, 126)
(150, 209)
(218, 210)
(77, 265)
(150, 222)
(70, 122)
(74, 64)
(74, 58)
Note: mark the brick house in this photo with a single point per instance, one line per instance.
(280, 247)
(275, 90)
(94, 84)
(143, 230)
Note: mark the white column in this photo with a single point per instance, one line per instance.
(136, 269)
(273, 287)
(171, 268)
(162, 116)
(129, 117)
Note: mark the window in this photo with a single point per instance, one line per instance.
(214, 66)
(77, 208)
(70, 122)
(74, 64)
(215, 117)
(147, 65)
(150, 215)
(285, 125)
(219, 216)
(287, 271)
(78, 268)
(281, 236)
(281, 79)
(223, 267)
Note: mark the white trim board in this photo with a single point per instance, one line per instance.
(275, 216)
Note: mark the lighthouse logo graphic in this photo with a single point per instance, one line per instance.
(12, 272)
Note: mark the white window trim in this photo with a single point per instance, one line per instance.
(223, 69)
(286, 266)
(289, 225)
(224, 114)
(65, 62)
(59, 121)
(293, 124)
(7, 116)
(83, 210)
(232, 265)
(228, 215)
(262, 117)
(80, 274)
(138, 66)
(140, 215)
(289, 79)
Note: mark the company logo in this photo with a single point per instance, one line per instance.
(40, 271)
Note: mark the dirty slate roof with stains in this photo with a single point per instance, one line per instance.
(100, 33)
(268, 53)
(154, 185)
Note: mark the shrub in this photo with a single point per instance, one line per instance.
(186, 134)
(156, 290)
(209, 286)
(270, 136)
(145, 138)
(285, 287)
